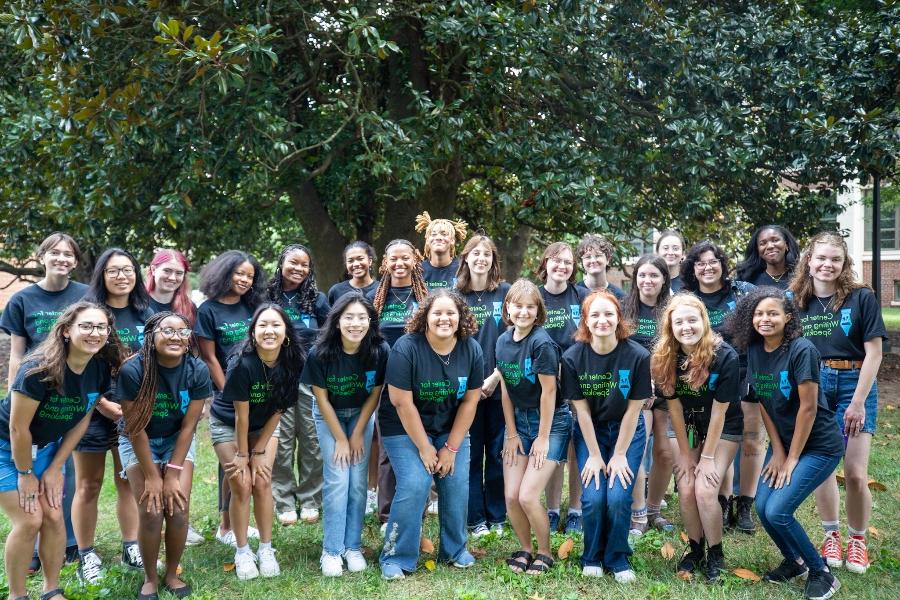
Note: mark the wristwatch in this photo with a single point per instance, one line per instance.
(27, 471)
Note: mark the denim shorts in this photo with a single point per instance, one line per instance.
(9, 476)
(101, 435)
(528, 422)
(221, 433)
(160, 449)
(838, 386)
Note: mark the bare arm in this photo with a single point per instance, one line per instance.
(16, 352)
(208, 354)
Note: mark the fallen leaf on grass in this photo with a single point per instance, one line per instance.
(536, 597)
(840, 477)
(429, 564)
(479, 552)
(667, 551)
(684, 575)
(747, 574)
(890, 407)
(426, 546)
(565, 548)
(178, 570)
(875, 533)
(684, 537)
(877, 486)
(368, 552)
(227, 567)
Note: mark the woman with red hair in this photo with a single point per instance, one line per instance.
(168, 284)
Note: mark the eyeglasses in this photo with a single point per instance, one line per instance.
(170, 273)
(354, 319)
(115, 271)
(561, 261)
(709, 263)
(182, 332)
(89, 328)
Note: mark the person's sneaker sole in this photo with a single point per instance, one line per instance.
(832, 592)
(854, 568)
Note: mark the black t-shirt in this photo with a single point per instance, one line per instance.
(247, 380)
(842, 333)
(158, 307)
(344, 287)
(606, 381)
(775, 377)
(563, 314)
(718, 305)
(675, 284)
(347, 381)
(32, 311)
(521, 362)
(487, 307)
(612, 289)
(399, 305)
(763, 279)
(723, 385)
(129, 324)
(176, 388)
(440, 277)
(225, 324)
(645, 326)
(58, 412)
(307, 324)
(437, 388)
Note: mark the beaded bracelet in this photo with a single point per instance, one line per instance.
(451, 448)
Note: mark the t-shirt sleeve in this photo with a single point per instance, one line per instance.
(205, 326)
(400, 366)
(728, 386)
(30, 385)
(237, 384)
(872, 321)
(805, 364)
(476, 370)
(13, 319)
(201, 386)
(642, 387)
(333, 293)
(323, 306)
(129, 381)
(571, 389)
(381, 368)
(313, 371)
(546, 359)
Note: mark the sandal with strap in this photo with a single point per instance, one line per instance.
(182, 592)
(49, 595)
(538, 568)
(660, 522)
(515, 561)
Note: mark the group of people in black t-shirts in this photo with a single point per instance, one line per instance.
(440, 384)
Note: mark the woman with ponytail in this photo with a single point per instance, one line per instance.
(162, 390)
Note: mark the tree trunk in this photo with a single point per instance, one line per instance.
(512, 250)
(324, 238)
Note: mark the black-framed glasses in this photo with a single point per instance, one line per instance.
(182, 332)
(89, 328)
(115, 271)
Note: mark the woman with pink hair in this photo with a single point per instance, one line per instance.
(168, 284)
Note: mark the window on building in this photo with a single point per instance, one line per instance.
(889, 224)
(897, 290)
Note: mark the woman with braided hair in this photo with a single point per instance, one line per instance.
(441, 237)
(396, 298)
(293, 288)
(162, 390)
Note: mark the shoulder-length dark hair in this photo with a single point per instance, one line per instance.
(688, 278)
(328, 344)
(468, 326)
(623, 327)
(50, 355)
(739, 324)
(138, 298)
(53, 239)
(464, 275)
(631, 305)
(306, 293)
(291, 358)
(215, 278)
(753, 263)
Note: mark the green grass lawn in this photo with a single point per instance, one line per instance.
(299, 548)
(891, 318)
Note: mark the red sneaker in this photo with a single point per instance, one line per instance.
(857, 554)
(832, 549)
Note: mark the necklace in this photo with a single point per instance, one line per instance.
(266, 370)
(441, 357)
(477, 295)
(824, 305)
(290, 299)
(398, 299)
(777, 278)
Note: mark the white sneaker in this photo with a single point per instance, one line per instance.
(371, 501)
(226, 538)
(288, 517)
(480, 530)
(592, 572)
(309, 515)
(332, 565)
(245, 566)
(90, 568)
(626, 576)
(498, 529)
(193, 538)
(433, 508)
(268, 566)
(356, 562)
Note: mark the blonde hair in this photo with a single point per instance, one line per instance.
(457, 229)
(802, 282)
(664, 361)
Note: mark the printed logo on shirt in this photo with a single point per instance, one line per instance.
(64, 408)
(140, 334)
(575, 310)
(510, 371)
(625, 381)
(529, 371)
(846, 320)
(713, 379)
(259, 392)
(785, 385)
(646, 327)
(185, 400)
(498, 312)
(461, 390)
(731, 305)
(92, 399)
(370, 381)
(233, 332)
(43, 320)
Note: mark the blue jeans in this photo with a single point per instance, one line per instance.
(607, 511)
(486, 500)
(776, 508)
(344, 489)
(528, 424)
(404, 526)
(838, 386)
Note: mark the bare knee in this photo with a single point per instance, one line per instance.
(151, 522)
(54, 518)
(856, 480)
(528, 501)
(30, 524)
(179, 519)
(752, 443)
(240, 488)
(704, 495)
(261, 488)
(89, 489)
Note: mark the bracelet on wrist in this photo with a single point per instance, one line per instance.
(176, 467)
(241, 455)
(511, 437)
(451, 448)
(28, 471)
(257, 452)
(708, 457)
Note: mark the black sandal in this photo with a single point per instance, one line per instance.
(515, 561)
(182, 592)
(51, 593)
(535, 568)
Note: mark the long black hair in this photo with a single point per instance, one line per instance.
(688, 278)
(631, 305)
(138, 298)
(739, 324)
(753, 263)
(306, 293)
(328, 345)
(215, 278)
(286, 374)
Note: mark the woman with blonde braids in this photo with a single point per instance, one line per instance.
(396, 298)
(162, 390)
(699, 376)
(441, 237)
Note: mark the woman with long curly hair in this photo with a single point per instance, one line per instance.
(434, 377)
(842, 318)
(162, 389)
(784, 371)
(42, 418)
(770, 257)
(699, 376)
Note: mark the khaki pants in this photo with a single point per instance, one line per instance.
(298, 436)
